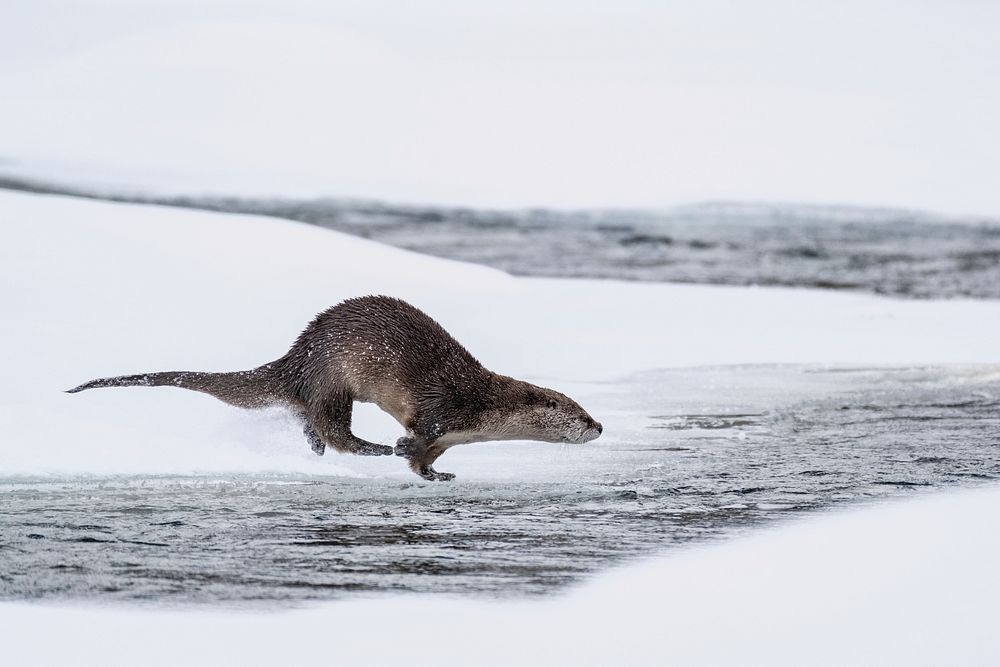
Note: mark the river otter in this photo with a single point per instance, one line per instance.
(382, 350)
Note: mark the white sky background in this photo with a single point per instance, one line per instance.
(568, 104)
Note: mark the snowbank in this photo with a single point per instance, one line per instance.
(911, 583)
(92, 289)
(511, 104)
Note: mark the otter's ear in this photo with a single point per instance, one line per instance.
(551, 403)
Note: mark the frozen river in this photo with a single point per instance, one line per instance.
(901, 253)
(688, 455)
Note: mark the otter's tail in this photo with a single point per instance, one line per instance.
(245, 389)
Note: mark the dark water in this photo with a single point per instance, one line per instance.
(691, 455)
(895, 252)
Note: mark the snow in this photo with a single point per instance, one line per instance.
(908, 583)
(89, 289)
(509, 104)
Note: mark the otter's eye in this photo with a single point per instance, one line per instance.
(551, 403)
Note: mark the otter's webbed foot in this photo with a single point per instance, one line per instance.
(432, 475)
(314, 440)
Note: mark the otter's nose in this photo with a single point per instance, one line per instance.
(597, 425)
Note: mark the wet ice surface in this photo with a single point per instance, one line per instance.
(885, 251)
(688, 455)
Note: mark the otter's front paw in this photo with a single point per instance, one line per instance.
(432, 475)
(405, 446)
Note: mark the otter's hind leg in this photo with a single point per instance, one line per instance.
(329, 424)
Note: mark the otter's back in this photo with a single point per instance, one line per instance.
(379, 344)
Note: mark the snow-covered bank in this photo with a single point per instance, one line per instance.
(511, 104)
(92, 289)
(911, 583)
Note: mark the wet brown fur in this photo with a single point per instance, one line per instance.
(382, 350)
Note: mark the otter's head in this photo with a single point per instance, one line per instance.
(537, 413)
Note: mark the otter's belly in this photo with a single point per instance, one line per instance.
(453, 438)
(391, 400)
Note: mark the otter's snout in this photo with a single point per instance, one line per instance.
(591, 431)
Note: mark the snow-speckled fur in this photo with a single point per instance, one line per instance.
(382, 350)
